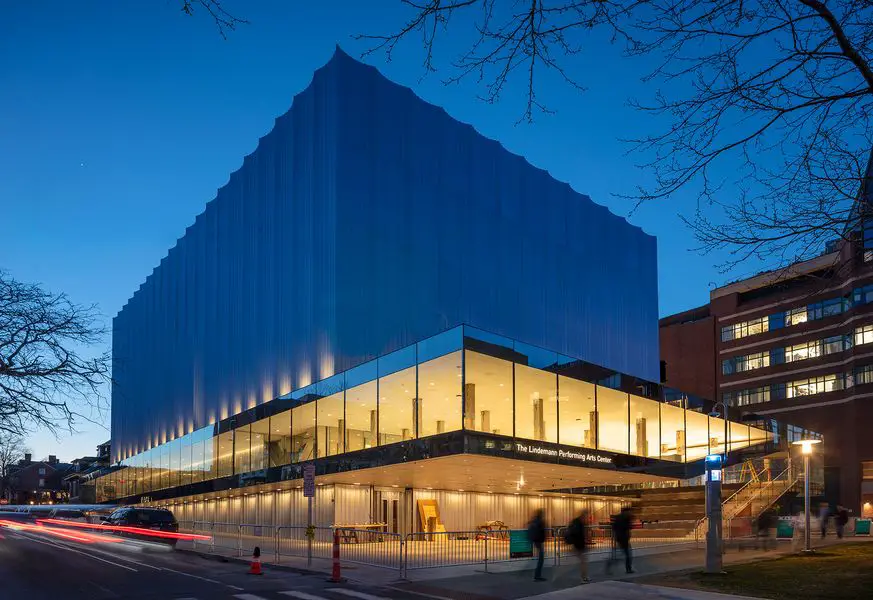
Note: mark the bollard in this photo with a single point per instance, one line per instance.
(335, 576)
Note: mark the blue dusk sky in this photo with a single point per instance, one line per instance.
(119, 120)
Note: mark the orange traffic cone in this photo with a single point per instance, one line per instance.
(255, 568)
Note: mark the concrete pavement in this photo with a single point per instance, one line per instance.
(622, 590)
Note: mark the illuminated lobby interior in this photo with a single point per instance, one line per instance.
(448, 417)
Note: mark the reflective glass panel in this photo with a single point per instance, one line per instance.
(185, 460)
(260, 443)
(223, 452)
(242, 449)
(210, 467)
(645, 427)
(739, 436)
(576, 412)
(717, 435)
(488, 394)
(536, 404)
(197, 463)
(361, 417)
(439, 392)
(613, 430)
(672, 432)
(331, 425)
(396, 406)
(165, 465)
(303, 432)
(696, 435)
(280, 439)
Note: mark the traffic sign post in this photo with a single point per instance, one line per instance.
(309, 494)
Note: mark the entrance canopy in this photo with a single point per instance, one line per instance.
(474, 473)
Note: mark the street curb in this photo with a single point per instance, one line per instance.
(245, 561)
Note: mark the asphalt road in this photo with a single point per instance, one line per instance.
(36, 566)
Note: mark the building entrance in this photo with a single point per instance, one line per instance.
(388, 510)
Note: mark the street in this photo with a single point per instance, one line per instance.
(37, 566)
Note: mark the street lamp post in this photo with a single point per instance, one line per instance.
(806, 450)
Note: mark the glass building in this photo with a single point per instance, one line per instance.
(384, 293)
(516, 400)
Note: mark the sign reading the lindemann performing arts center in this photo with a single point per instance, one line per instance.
(574, 455)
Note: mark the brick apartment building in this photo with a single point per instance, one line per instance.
(37, 482)
(794, 345)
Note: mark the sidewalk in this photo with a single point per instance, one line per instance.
(563, 580)
(621, 590)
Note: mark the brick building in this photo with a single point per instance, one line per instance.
(794, 345)
(38, 482)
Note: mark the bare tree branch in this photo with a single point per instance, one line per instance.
(46, 380)
(763, 108)
(224, 20)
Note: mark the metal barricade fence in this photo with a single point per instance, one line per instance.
(226, 538)
(291, 540)
(444, 549)
(201, 527)
(403, 553)
(373, 548)
(261, 536)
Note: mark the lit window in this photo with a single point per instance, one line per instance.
(863, 335)
(796, 316)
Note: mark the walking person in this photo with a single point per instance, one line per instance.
(577, 536)
(824, 515)
(621, 533)
(841, 518)
(536, 533)
(764, 524)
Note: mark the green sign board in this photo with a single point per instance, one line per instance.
(862, 526)
(784, 529)
(519, 544)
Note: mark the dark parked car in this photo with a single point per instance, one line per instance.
(155, 519)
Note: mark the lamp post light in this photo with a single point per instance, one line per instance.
(806, 450)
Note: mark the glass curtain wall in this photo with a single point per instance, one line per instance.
(499, 388)
(645, 427)
(488, 390)
(612, 428)
(577, 411)
(536, 404)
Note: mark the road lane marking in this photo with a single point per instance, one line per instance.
(194, 576)
(248, 597)
(422, 594)
(68, 549)
(302, 595)
(355, 594)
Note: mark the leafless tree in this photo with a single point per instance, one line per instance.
(763, 106)
(46, 379)
(223, 19)
(12, 449)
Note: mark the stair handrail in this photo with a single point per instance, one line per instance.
(766, 485)
(762, 486)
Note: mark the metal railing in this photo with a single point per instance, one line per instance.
(401, 553)
(756, 495)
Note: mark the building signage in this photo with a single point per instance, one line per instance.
(583, 456)
(309, 481)
(519, 544)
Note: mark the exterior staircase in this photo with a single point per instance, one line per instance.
(740, 510)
